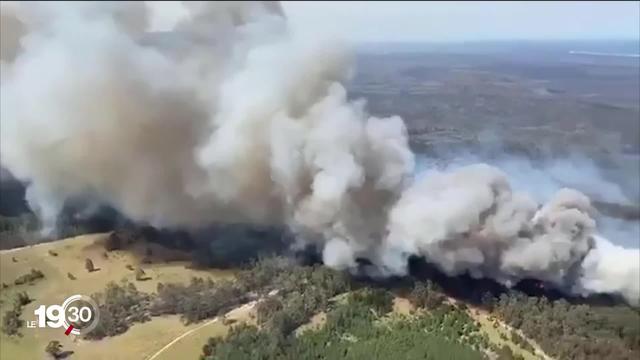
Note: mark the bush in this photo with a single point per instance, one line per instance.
(113, 242)
(54, 348)
(267, 308)
(22, 299)
(263, 272)
(379, 300)
(199, 300)
(88, 264)
(426, 295)
(30, 277)
(11, 322)
(208, 348)
(141, 275)
(522, 342)
(505, 353)
(120, 306)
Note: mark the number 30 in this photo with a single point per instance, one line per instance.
(79, 314)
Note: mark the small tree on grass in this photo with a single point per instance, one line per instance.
(22, 299)
(71, 276)
(88, 264)
(209, 347)
(11, 322)
(29, 277)
(54, 348)
(140, 274)
(114, 242)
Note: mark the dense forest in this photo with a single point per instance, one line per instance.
(573, 331)
(357, 328)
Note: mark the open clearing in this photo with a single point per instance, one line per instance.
(190, 346)
(498, 333)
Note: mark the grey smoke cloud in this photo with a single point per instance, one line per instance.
(542, 178)
(230, 117)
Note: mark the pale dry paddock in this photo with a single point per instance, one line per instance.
(139, 342)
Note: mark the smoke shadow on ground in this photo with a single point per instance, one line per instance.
(216, 246)
(236, 245)
(471, 290)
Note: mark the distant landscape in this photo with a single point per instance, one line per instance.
(548, 117)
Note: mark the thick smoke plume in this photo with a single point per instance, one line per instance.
(229, 117)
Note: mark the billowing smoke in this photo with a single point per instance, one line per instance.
(470, 220)
(229, 117)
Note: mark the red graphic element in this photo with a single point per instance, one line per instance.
(68, 331)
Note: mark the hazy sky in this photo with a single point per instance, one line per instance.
(453, 21)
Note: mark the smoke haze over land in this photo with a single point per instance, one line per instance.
(230, 117)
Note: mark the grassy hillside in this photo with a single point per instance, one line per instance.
(279, 309)
(190, 346)
(140, 341)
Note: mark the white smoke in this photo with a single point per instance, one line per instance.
(469, 220)
(230, 117)
(610, 269)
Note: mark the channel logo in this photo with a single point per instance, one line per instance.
(77, 315)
